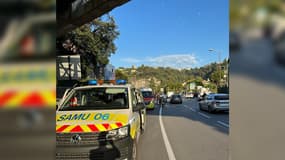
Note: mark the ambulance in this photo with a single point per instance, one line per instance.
(148, 98)
(100, 120)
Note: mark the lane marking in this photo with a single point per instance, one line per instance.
(169, 150)
(193, 110)
(204, 115)
(223, 124)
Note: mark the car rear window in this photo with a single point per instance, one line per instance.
(222, 97)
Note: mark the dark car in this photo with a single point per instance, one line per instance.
(176, 98)
(279, 49)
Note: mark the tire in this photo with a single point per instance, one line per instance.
(200, 107)
(210, 109)
(134, 150)
(142, 128)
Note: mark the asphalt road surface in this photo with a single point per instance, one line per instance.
(257, 86)
(184, 132)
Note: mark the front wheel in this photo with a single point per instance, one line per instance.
(210, 109)
(200, 107)
(143, 124)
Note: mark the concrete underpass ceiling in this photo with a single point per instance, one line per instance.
(74, 13)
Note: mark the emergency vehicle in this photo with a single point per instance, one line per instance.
(100, 121)
(148, 97)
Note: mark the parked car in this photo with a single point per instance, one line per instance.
(176, 98)
(215, 102)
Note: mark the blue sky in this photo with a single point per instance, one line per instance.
(172, 33)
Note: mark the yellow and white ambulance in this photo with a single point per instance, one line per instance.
(100, 121)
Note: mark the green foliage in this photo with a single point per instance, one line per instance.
(121, 75)
(172, 79)
(94, 41)
(216, 76)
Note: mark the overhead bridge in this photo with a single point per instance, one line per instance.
(74, 13)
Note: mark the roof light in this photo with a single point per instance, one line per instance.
(92, 82)
(121, 81)
(100, 81)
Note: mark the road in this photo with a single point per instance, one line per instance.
(192, 134)
(257, 85)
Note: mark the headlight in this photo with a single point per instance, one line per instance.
(118, 133)
(124, 131)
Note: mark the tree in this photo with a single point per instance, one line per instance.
(152, 84)
(94, 41)
(215, 77)
(121, 75)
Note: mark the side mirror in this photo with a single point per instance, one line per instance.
(139, 107)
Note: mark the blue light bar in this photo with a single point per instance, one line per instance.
(92, 82)
(121, 81)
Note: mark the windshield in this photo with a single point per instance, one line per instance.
(147, 94)
(96, 98)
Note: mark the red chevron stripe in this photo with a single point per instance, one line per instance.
(33, 100)
(5, 97)
(77, 129)
(62, 128)
(106, 125)
(93, 127)
(119, 124)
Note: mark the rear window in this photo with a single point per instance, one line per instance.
(147, 94)
(222, 97)
(176, 96)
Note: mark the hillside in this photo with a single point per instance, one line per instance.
(156, 77)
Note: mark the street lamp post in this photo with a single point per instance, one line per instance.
(219, 61)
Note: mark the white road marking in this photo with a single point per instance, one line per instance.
(204, 115)
(193, 110)
(169, 150)
(223, 124)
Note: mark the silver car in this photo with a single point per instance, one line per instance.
(215, 102)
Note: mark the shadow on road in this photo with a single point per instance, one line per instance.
(180, 111)
(256, 60)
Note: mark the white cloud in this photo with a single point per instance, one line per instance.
(178, 61)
